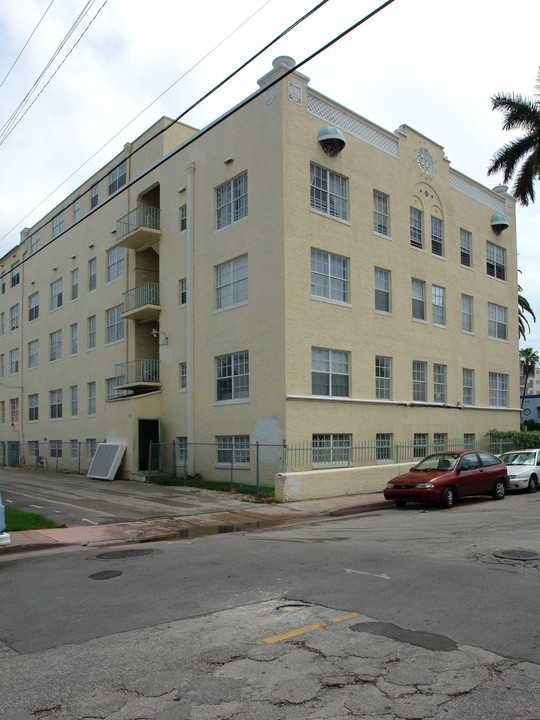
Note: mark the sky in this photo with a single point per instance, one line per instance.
(429, 64)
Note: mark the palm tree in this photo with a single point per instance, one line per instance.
(524, 307)
(520, 113)
(528, 359)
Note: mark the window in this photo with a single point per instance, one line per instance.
(183, 218)
(329, 276)
(35, 242)
(233, 449)
(115, 324)
(74, 448)
(469, 441)
(14, 317)
(415, 227)
(92, 332)
(440, 442)
(182, 291)
(92, 271)
(232, 283)
(33, 349)
(380, 213)
(14, 361)
(55, 404)
(182, 449)
(74, 331)
(75, 284)
(183, 376)
(14, 410)
(15, 274)
(466, 313)
(115, 263)
(58, 224)
(77, 210)
(55, 346)
(382, 290)
(418, 302)
(419, 381)
(94, 196)
(496, 322)
(436, 236)
(56, 294)
(438, 305)
(420, 445)
(383, 447)
(55, 448)
(111, 388)
(117, 178)
(465, 247)
(331, 449)
(91, 398)
(498, 389)
(91, 446)
(2, 412)
(2, 323)
(232, 376)
(232, 201)
(2, 368)
(496, 261)
(383, 384)
(439, 383)
(33, 409)
(468, 386)
(33, 448)
(329, 372)
(328, 192)
(33, 307)
(74, 392)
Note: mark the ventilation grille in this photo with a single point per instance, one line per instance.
(106, 461)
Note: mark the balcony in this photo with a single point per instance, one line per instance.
(142, 302)
(138, 376)
(139, 229)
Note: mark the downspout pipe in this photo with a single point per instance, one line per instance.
(190, 169)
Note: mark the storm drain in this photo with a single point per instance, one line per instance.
(106, 575)
(125, 554)
(517, 554)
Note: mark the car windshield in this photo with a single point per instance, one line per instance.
(520, 458)
(437, 462)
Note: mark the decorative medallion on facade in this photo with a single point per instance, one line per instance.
(270, 96)
(295, 93)
(425, 161)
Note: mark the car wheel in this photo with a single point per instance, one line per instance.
(400, 503)
(448, 497)
(532, 487)
(499, 490)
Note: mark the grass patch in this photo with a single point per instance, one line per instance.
(19, 520)
(265, 494)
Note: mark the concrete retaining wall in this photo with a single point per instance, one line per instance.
(336, 481)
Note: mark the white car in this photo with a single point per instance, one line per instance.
(523, 469)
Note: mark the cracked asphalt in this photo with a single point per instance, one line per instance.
(313, 662)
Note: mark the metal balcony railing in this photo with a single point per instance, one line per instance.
(137, 371)
(145, 294)
(143, 216)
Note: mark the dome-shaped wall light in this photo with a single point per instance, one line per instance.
(498, 223)
(332, 140)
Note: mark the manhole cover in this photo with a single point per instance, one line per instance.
(105, 575)
(517, 554)
(125, 554)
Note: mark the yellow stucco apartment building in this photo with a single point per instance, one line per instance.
(291, 273)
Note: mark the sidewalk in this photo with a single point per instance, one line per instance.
(254, 516)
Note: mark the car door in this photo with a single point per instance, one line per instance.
(469, 475)
(492, 468)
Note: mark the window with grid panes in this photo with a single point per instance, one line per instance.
(329, 372)
(33, 407)
(92, 332)
(33, 307)
(14, 361)
(383, 447)
(496, 261)
(92, 270)
(468, 386)
(2, 365)
(33, 350)
(183, 376)
(117, 178)
(111, 388)
(465, 247)
(382, 290)
(56, 294)
(420, 445)
(415, 227)
(497, 322)
(233, 449)
(115, 324)
(33, 448)
(183, 218)
(58, 224)
(74, 392)
(35, 242)
(498, 389)
(469, 441)
(232, 283)
(232, 377)
(55, 448)
(418, 299)
(436, 236)
(55, 339)
(331, 449)
(115, 263)
(14, 317)
(55, 404)
(440, 442)
(74, 333)
(419, 381)
(94, 196)
(439, 383)
(438, 305)
(383, 386)
(328, 192)
(466, 313)
(329, 276)
(232, 201)
(91, 398)
(380, 213)
(77, 210)
(74, 284)
(15, 274)
(14, 410)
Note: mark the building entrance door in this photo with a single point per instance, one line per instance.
(13, 454)
(148, 432)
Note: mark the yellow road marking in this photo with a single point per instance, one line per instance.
(301, 631)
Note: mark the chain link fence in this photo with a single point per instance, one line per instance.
(70, 456)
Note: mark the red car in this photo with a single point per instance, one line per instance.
(443, 477)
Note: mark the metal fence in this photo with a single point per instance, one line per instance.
(254, 464)
(326, 454)
(70, 456)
